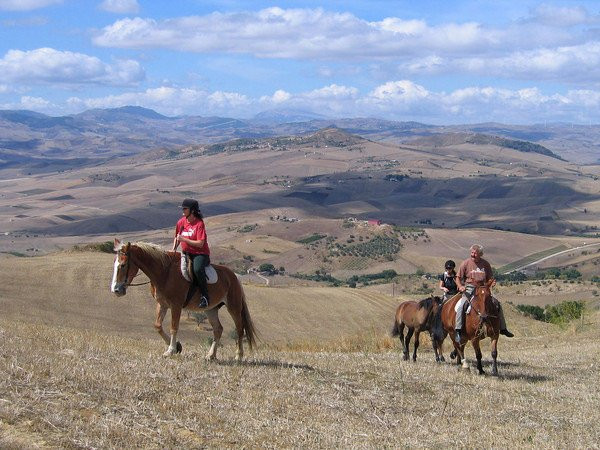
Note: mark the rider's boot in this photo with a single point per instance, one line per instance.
(503, 329)
(203, 301)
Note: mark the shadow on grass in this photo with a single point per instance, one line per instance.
(523, 377)
(265, 363)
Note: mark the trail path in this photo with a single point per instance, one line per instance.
(551, 256)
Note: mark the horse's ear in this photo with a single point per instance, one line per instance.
(491, 282)
(117, 244)
(127, 246)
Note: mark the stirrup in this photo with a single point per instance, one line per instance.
(203, 302)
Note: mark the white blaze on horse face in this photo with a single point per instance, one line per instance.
(114, 280)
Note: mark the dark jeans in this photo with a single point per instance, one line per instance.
(199, 262)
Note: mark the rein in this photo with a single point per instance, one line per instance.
(127, 256)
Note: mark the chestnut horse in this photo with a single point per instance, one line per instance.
(417, 317)
(169, 288)
(481, 322)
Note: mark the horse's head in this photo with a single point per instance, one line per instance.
(124, 269)
(482, 301)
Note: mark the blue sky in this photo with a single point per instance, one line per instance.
(440, 62)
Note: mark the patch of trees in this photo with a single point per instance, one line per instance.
(365, 279)
(554, 273)
(557, 314)
(314, 237)
(270, 269)
(380, 245)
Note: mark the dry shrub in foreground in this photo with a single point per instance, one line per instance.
(71, 388)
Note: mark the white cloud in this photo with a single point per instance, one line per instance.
(120, 6)
(171, 101)
(301, 33)
(26, 5)
(561, 16)
(50, 66)
(38, 104)
(398, 100)
(569, 64)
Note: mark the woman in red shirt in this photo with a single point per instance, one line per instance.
(190, 232)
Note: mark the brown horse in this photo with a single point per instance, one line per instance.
(169, 289)
(417, 317)
(481, 322)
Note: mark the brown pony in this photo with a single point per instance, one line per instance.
(481, 322)
(169, 289)
(417, 317)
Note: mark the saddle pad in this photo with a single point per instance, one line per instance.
(211, 273)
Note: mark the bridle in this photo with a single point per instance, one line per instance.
(126, 266)
(482, 317)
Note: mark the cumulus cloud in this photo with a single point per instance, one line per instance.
(26, 5)
(50, 66)
(120, 6)
(171, 101)
(569, 64)
(316, 33)
(399, 100)
(301, 33)
(561, 16)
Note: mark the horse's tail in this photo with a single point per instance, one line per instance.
(437, 327)
(247, 324)
(395, 331)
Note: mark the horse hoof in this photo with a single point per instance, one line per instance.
(481, 372)
(442, 359)
(179, 347)
(453, 354)
(405, 358)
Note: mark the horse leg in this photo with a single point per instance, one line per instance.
(213, 318)
(416, 345)
(494, 356)
(236, 315)
(461, 353)
(403, 341)
(161, 311)
(440, 345)
(437, 348)
(434, 344)
(174, 345)
(477, 349)
(409, 334)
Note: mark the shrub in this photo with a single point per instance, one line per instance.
(564, 312)
(534, 312)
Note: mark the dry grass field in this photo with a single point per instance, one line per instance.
(80, 368)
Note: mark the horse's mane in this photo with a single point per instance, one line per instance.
(154, 251)
(428, 302)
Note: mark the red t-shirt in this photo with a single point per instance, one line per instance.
(195, 232)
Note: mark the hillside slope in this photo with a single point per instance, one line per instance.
(81, 368)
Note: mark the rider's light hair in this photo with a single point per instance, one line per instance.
(477, 247)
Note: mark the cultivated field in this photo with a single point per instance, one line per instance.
(82, 368)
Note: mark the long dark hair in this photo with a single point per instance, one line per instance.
(197, 213)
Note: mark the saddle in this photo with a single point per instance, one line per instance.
(187, 272)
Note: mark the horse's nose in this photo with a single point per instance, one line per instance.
(119, 290)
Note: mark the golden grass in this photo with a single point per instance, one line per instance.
(81, 368)
(62, 387)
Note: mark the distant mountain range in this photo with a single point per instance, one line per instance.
(40, 142)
